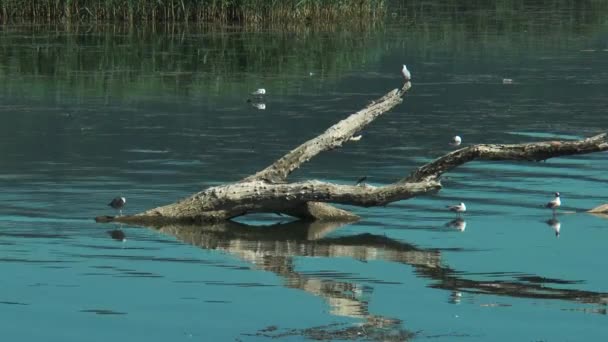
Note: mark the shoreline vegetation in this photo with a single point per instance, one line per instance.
(227, 11)
(281, 12)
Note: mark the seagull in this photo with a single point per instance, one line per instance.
(406, 73)
(259, 92)
(456, 141)
(507, 81)
(360, 181)
(118, 203)
(458, 209)
(554, 203)
(555, 224)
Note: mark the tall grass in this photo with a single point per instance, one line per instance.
(242, 11)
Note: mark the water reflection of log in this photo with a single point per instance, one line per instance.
(272, 248)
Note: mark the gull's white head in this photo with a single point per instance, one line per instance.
(457, 140)
(260, 91)
(464, 207)
(557, 194)
(124, 200)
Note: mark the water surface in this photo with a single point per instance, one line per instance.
(156, 113)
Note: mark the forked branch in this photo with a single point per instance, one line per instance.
(268, 190)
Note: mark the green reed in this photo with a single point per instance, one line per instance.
(243, 11)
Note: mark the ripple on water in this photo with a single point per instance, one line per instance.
(103, 312)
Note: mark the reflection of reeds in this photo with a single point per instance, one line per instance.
(168, 60)
(205, 61)
(244, 11)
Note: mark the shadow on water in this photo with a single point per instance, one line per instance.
(273, 248)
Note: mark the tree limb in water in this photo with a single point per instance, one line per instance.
(537, 151)
(267, 190)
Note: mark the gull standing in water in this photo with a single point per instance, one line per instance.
(456, 141)
(118, 203)
(458, 209)
(406, 73)
(259, 92)
(554, 203)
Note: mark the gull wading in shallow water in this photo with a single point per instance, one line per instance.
(406, 73)
(456, 141)
(554, 203)
(458, 209)
(118, 203)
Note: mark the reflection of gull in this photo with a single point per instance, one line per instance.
(258, 105)
(555, 225)
(458, 209)
(459, 223)
(117, 234)
(456, 141)
(406, 73)
(554, 203)
(455, 297)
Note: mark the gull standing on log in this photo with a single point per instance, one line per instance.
(406, 73)
(554, 203)
(458, 209)
(118, 203)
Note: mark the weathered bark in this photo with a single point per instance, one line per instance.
(332, 138)
(600, 211)
(268, 190)
(538, 151)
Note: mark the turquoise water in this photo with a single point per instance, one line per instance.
(89, 113)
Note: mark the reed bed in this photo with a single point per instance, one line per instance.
(241, 11)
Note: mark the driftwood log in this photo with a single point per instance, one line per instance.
(268, 190)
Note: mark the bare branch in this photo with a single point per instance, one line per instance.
(228, 201)
(332, 138)
(267, 191)
(530, 151)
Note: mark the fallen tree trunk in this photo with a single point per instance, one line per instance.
(268, 190)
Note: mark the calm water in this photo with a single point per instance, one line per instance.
(157, 113)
